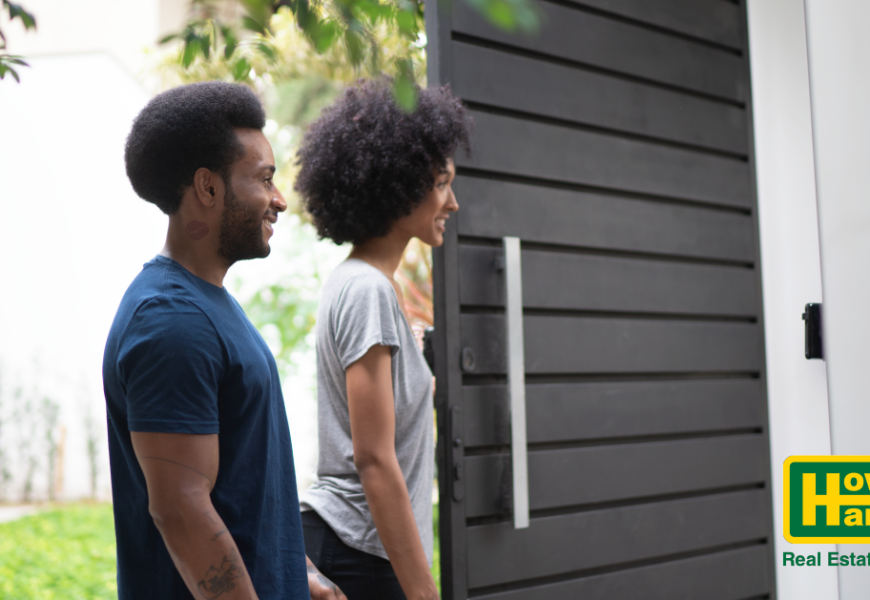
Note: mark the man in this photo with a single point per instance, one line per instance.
(202, 467)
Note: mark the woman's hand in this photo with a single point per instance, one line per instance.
(320, 587)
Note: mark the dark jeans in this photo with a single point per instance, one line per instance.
(360, 575)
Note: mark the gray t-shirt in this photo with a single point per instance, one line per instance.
(358, 310)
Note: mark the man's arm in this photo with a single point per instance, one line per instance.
(373, 431)
(180, 470)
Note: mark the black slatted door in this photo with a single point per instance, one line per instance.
(617, 145)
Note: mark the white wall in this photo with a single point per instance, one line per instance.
(121, 28)
(839, 65)
(790, 262)
(73, 234)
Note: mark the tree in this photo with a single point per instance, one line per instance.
(353, 30)
(8, 62)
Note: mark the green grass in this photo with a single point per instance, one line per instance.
(68, 553)
(62, 553)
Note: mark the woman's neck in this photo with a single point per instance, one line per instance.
(383, 253)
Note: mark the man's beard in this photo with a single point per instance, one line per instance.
(241, 231)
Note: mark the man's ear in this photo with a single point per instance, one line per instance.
(208, 187)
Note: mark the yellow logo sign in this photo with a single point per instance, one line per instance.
(824, 499)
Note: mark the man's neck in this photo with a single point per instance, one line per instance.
(200, 257)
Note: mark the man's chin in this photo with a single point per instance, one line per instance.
(260, 253)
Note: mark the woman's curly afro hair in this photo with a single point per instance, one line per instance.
(366, 162)
(185, 129)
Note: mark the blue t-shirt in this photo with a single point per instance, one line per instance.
(182, 357)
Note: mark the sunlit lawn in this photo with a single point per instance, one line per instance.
(68, 553)
(64, 553)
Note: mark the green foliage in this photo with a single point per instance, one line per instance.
(8, 62)
(510, 15)
(65, 553)
(360, 26)
(285, 309)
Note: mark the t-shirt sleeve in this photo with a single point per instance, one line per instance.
(171, 365)
(365, 316)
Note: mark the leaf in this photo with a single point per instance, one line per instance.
(260, 12)
(306, 19)
(510, 15)
(9, 59)
(191, 48)
(4, 69)
(205, 45)
(529, 17)
(403, 88)
(231, 41)
(27, 19)
(241, 69)
(375, 11)
(267, 50)
(407, 22)
(168, 38)
(500, 13)
(324, 35)
(253, 25)
(354, 44)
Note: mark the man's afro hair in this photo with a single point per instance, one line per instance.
(185, 129)
(366, 162)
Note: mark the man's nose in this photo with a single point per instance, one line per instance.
(278, 201)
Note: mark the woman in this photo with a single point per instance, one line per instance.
(376, 176)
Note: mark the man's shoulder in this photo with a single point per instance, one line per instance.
(158, 299)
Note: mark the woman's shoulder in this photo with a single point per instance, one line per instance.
(355, 281)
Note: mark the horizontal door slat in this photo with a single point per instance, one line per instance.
(543, 88)
(711, 20)
(554, 280)
(617, 46)
(498, 553)
(566, 412)
(572, 477)
(493, 209)
(730, 575)
(591, 345)
(529, 148)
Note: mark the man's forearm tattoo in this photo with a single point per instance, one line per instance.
(220, 580)
(218, 534)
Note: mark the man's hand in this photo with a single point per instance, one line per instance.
(320, 587)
